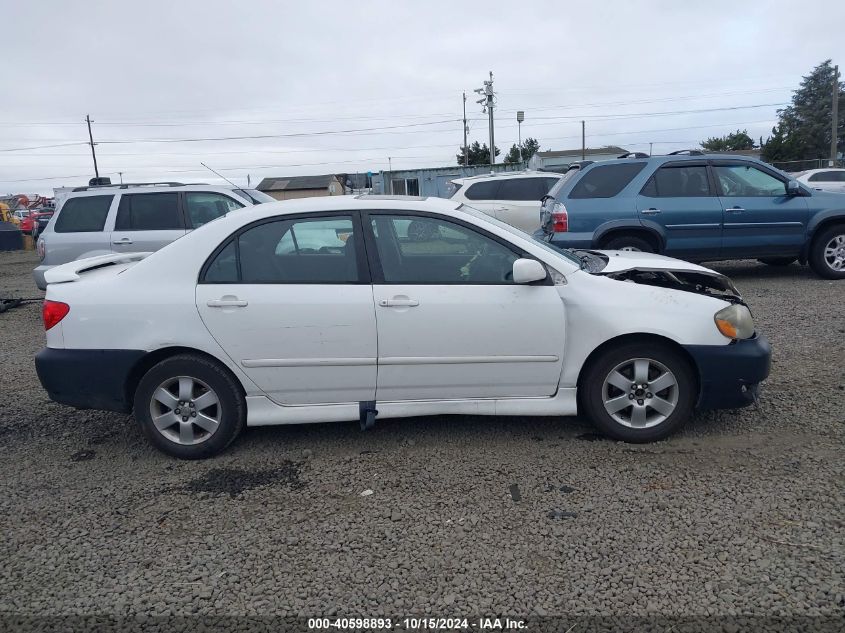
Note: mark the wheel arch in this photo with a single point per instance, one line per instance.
(653, 339)
(146, 362)
(653, 234)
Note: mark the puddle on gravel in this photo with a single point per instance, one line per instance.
(234, 481)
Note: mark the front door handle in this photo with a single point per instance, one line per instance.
(735, 210)
(227, 302)
(122, 241)
(398, 303)
(651, 211)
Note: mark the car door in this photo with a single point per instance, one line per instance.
(679, 197)
(519, 201)
(451, 322)
(289, 300)
(147, 222)
(760, 219)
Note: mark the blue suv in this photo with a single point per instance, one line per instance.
(697, 207)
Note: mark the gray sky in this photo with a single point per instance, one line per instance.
(293, 72)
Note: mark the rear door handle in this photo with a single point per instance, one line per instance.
(735, 210)
(125, 240)
(227, 303)
(651, 211)
(395, 303)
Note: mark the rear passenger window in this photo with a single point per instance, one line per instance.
(149, 212)
(485, 190)
(202, 207)
(678, 182)
(313, 250)
(828, 176)
(605, 181)
(524, 188)
(85, 214)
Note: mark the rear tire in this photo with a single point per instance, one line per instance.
(638, 392)
(629, 243)
(827, 253)
(777, 261)
(189, 407)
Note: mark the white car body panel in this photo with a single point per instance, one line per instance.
(511, 349)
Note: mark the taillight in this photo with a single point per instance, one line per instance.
(42, 249)
(52, 312)
(560, 218)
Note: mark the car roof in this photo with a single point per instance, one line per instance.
(322, 204)
(527, 173)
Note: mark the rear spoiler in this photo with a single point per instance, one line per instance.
(72, 270)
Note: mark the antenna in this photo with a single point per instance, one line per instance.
(219, 175)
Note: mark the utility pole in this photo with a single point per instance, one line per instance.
(390, 167)
(834, 124)
(583, 142)
(487, 101)
(91, 139)
(520, 117)
(120, 173)
(649, 148)
(466, 149)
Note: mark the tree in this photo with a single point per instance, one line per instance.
(729, 143)
(803, 129)
(529, 146)
(478, 154)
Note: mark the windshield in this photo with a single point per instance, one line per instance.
(565, 253)
(257, 197)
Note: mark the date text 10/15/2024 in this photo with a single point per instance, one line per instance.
(416, 623)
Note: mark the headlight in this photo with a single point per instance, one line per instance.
(735, 321)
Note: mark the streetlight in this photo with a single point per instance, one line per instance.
(520, 117)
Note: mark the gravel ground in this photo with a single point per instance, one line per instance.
(742, 513)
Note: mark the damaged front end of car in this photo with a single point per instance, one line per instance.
(699, 282)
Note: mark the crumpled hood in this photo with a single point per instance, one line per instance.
(626, 260)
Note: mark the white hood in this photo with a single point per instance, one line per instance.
(626, 260)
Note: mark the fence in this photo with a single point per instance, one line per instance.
(803, 165)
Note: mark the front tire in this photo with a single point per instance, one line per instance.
(638, 392)
(827, 253)
(629, 243)
(189, 407)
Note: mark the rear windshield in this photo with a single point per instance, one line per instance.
(605, 181)
(86, 214)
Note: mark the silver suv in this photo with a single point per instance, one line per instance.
(131, 218)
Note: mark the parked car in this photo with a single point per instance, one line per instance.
(22, 220)
(700, 208)
(831, 179)
(510, 197)
(130, 218)
(42, 219)
(345, 308)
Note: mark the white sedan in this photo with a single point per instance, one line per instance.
(365, 308)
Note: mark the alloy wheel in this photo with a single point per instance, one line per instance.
(185, 410)
(834, 253)
(640, 393)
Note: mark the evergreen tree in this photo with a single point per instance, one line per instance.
(530, 146)
(478, 154)
(729, 143)
(803, 129)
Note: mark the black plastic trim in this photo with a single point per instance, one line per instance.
(87, 378)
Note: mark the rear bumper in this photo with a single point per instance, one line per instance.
(730, 375)
(565, 240)
(87, 378)
(38, 276)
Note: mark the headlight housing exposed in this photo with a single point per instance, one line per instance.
(735, 321)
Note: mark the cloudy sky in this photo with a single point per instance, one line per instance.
(260, 88)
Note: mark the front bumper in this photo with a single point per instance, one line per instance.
(730, 375)
(87, 378)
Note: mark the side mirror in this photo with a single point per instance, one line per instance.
(527, 270)
(793, 188)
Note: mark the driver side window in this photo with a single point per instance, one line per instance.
(747, 180)
(425, 250)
